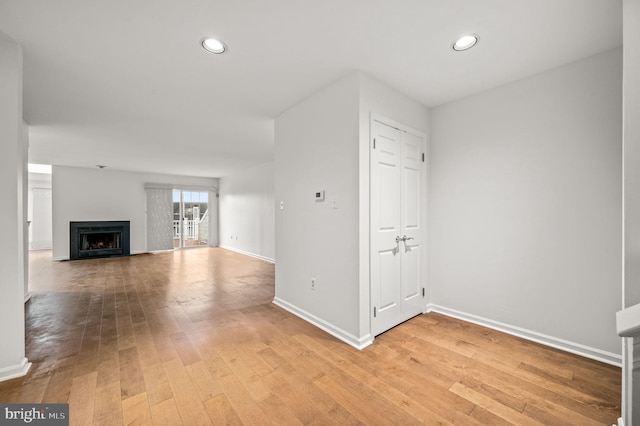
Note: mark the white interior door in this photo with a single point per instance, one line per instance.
(396, 228)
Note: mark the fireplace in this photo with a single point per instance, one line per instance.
(89, 240)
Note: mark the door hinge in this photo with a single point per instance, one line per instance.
(374, 143)
(422, 291)
(423, 157)
(375, 312)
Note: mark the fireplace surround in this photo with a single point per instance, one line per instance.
(89, 240)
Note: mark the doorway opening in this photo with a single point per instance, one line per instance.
(190, 218)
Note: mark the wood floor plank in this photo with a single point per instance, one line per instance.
(459, 346)
(493, 406)
(556, 404)
(277, 411)
(59, 385)
(135, 410)
(131, 376)
(445, 404)
(547, 418)
(192, 337)
(147, 351)
(380, 387)
(542, 392)
(295, 400)
(164, 347)
(505, 345)
(34, 390)
(497, 395)
(10, 395)
(82, 399)
(166, 413)
(185, 349)
(243, 404)
(480, 416)
(369, 361)
(156, 383)
(206, 385)
(245, 374)
(190, 406)
(351, 402)
(221, 412)
(108, 405)
(305, 388)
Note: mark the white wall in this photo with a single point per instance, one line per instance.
(525, 205)
(316, 148)
(92, 194)
(13, 362)
(247, 209)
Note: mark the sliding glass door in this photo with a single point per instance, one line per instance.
(190, 218)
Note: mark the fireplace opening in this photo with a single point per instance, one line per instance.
(99, 239)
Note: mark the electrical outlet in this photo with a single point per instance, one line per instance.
(313, 283)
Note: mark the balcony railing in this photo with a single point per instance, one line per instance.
(190, 229)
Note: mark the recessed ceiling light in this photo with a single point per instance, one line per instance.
(213, 45)
(465, 42)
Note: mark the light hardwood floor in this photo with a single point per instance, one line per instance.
(191, 337)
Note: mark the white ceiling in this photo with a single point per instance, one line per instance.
(126, 84)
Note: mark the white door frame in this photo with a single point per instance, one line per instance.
(423, 207)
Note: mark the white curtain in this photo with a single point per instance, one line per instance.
(159, 219)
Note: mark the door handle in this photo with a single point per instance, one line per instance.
(404, 239)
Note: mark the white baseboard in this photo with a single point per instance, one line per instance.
(27, 297)
(554, 342)
(246, 253)
(348, 338)
(14, 371)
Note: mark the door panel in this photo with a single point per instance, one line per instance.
(389, 269)
(411, 204)
(390, 209)
(411, 287)
(396, 162)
